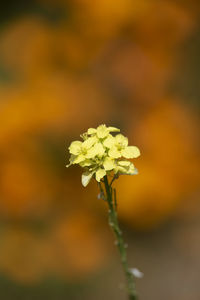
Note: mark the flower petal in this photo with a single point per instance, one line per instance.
(114, 152)
(86, 163)
(132, 170)
(97, 149)
(131, 152)
(75, 147)
(109, 141)
(102, 131)
(122, 140)
(120, 169)
(124, 163)
(91, 131)
(78, 159)
(109, 164)
(100, 173)
(125, 167)
(87, 144)
(113, 129)
(86, 177)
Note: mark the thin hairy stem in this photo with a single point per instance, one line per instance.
(113, 222)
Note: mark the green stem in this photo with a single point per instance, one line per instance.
(113, 222)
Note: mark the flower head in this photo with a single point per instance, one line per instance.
(100, 153)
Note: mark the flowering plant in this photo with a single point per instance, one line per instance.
(104, 155)
(100, 153)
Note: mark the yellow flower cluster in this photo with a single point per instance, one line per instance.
(101, 153)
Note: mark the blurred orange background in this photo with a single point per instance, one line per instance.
(69, 65)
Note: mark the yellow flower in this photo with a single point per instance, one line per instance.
(75, 147)
(100, 153)
(125, 167)
(120, 148)
(81, 150)
(102, 131)
(98, 149)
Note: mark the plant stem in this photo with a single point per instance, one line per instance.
(113, 222)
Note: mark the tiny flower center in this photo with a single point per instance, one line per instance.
(84, 151)
(119, 146)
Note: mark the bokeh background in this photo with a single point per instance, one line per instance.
(69, 65)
